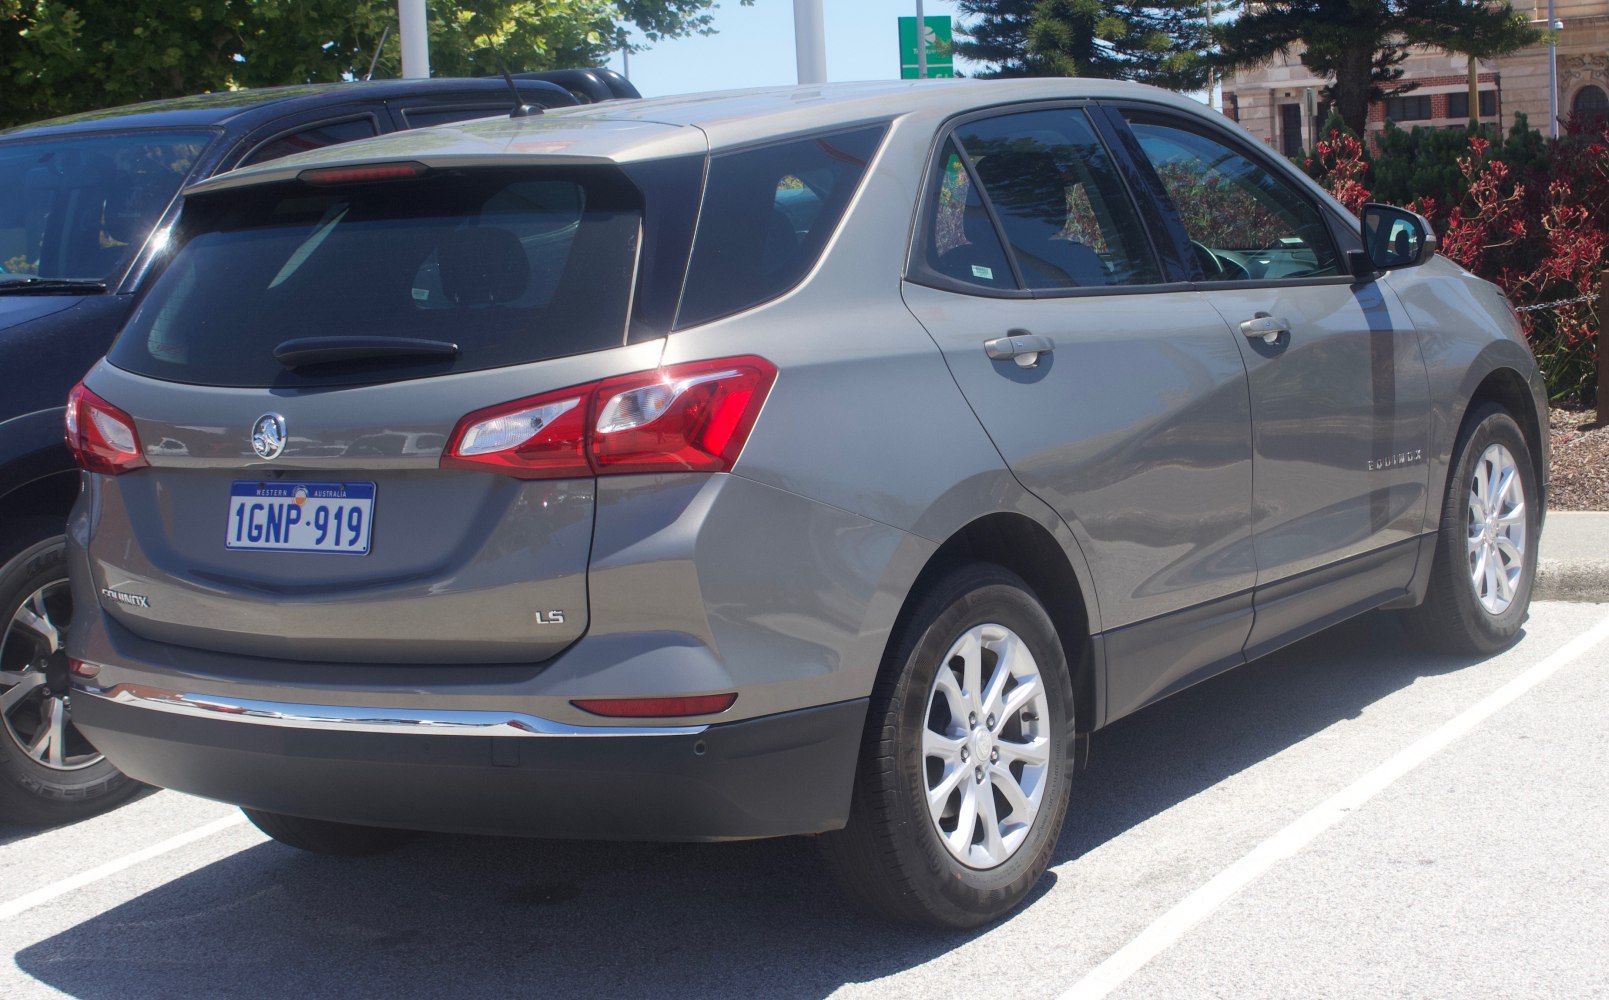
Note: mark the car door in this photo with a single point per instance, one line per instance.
(1340, 396)
(1116, 398)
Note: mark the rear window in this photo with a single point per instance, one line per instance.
(768, 213)
(509, 267)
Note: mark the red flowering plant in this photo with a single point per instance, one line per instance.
(1540, 232)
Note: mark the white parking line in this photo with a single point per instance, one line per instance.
(1204, 901)
(66, 885)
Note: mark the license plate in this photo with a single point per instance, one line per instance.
(301, 517)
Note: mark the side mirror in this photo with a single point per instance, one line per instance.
(1395, 237)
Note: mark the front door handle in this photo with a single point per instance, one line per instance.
(1265, 327)
(1020, 346)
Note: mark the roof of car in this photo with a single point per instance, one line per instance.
(226, 106)
(692, 123)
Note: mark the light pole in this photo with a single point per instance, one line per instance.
(809, 41)
(921, 43)
(415, 39)
(1553, 75)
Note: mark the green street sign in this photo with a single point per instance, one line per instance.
(940, 47)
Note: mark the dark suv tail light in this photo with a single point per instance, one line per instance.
(692, 417)
(101, 437)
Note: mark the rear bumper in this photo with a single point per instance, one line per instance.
(776, 775)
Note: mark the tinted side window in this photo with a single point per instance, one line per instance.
(1061, 205)
(766, 216)
(961, 240)
(316, 137)
(426, 117)
(1243, 221)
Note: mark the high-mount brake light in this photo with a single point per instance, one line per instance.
(656, 708)
(101, 437)
(693, 417)
(365, 174)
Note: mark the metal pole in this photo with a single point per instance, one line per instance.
(1210, 74)
(810, 41)
(1553, 77)
(921, 43)
(415, 39)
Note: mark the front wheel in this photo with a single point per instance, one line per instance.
(1485, 562)
(964, 774)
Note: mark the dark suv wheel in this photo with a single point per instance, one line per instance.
(49, 773)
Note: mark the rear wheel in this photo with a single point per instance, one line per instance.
(323, 837)
(49, 773)
(964, 773)
(1485, 564)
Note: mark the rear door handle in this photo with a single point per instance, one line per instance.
(1265, 327)
(1020, 346)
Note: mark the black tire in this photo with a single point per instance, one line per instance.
(33, 557)
(323, 837)
(891, 856)
(1452, 618)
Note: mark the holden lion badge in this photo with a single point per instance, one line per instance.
(268, 436)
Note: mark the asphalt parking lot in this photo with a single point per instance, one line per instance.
(1348, 818)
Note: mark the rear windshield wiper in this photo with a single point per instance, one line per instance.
(51, 286)
(331, 350)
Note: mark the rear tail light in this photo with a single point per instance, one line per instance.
(656, 708)
(692, 417)
(101, 437)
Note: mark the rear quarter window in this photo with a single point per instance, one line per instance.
(510, 267)
(767, 214)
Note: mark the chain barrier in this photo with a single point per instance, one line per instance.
(1557, 303)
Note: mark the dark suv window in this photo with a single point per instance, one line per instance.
(510, 267)
(766, 217)
(314, 137)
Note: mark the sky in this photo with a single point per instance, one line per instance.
(753, 47)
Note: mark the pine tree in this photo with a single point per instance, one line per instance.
(1158, 42)
(1361, 43)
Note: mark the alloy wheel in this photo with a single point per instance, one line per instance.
(1496, 529)
(36, 717)
(986, 746)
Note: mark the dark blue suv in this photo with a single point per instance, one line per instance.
(86, 206)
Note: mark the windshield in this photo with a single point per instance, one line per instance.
(79, 208)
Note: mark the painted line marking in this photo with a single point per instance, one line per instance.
(47, 893)
(1206, 899)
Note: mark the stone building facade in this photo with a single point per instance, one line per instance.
(1279, 102)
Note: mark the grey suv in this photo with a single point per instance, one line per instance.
(807, 461)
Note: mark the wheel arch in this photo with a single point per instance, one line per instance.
(1025, 547)
(1508, 389)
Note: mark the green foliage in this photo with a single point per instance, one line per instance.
(1157, 42)
(58, 58)
(1360, 44)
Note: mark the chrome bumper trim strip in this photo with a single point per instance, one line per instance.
(342, 718)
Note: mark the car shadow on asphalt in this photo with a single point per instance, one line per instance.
(470, 917)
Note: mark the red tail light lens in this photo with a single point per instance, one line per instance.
(656, 708)
(692, 417)
(101, 437)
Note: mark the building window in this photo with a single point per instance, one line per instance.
(1408, 109)
(1290, 129)
(1589, 103)
(1458, 104)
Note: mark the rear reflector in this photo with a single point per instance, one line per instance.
(692, 417)
(656, 708)
(79, 668)
(366, 174)
(101, 437)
